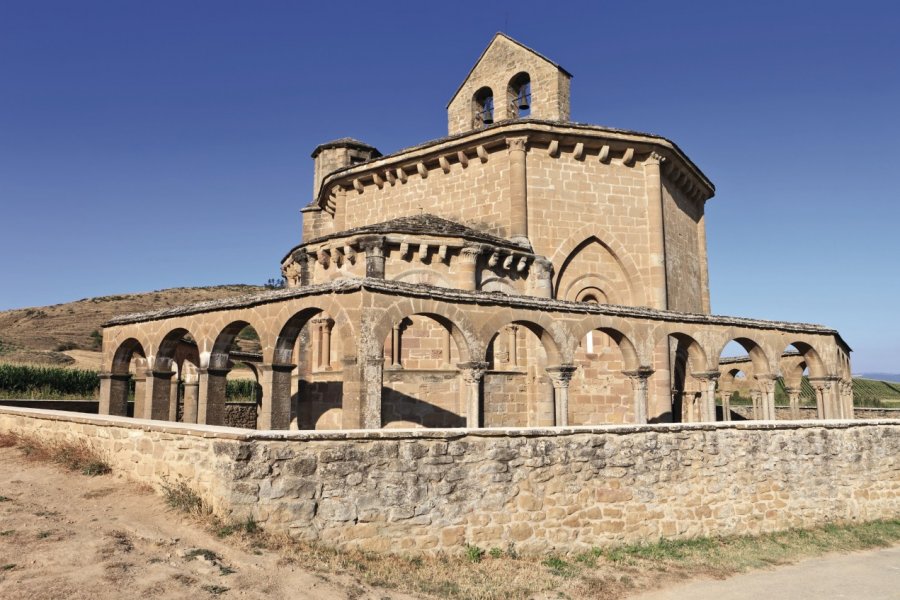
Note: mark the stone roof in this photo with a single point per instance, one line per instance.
(421, 224)
(410, 290)
(345, 142)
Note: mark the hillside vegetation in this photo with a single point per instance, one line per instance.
(68, 334)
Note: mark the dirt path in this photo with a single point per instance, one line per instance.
(69, 536)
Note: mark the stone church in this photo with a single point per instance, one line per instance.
(525, 270)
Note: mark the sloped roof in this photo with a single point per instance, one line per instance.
(344, 142)
(500, 34)
(424, 224)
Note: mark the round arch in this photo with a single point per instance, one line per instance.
(121, 362)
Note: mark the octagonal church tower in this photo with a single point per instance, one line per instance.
(517, 199)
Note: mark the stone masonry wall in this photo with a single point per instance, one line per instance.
(540, 490)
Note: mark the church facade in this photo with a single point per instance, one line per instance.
(524, 271)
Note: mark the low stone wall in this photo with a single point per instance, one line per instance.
(783, 413)
(566, 489)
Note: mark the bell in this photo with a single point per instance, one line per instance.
(523, 102)
(488, 118)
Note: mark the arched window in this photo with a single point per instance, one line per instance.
(519, 95)
(483, 107)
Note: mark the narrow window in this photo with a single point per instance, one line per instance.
(483, 108)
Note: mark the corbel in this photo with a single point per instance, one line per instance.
(358, 186)
(523, 262)
(604, 153)
(442, 252)
(391, 178)
(462, 158)
(628, 158)
(404, 249)
(338, 256)
(401, 174)
(579, 151)
(553, 149)
(378, 180)
(423, 252)
(445, 164)
(423, 172)
(350, 253)
(482, 153)
(507, 262)
(494, 259)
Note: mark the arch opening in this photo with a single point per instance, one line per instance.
(600, 392)
(483, 108)
(518, 94)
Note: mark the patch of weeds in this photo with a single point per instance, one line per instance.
(5, 499)
(495, 552)
(44, 535)
(95, 467)
(154, 561)
(122, 541)
(223, 570)
(202, 552)
(74, 456)
(215, 590)
(183, 579)
(181, 497)
(589, 559)
(8, 440)
(7, 532)
(249, 527)
(474, 553)
(558, 566)
(8, 567)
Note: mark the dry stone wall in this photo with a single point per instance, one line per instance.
(425, 491)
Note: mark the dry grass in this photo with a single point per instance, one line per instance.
(73, 456)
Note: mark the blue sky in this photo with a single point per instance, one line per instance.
(146, 145)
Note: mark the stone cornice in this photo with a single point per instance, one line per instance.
(476, 145)
(400, 289)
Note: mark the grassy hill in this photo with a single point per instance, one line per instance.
(68, 334)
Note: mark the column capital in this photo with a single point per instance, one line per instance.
(470, 253)
(639, 373)
(116, 376)
(561, 375)
(654, 158)
(474, 371)
(213, 371)
(707, 375)
(517, 144)
(278, 367)
(373, 244)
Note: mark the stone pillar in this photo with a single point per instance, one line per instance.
(372, 381)
(819, 385)
(513, 345)
(540, 278)
(191, 394)
(114, 394)
(726, 405)
(704, 265)
(374, 248)
(518, 191)
(639, 382)
(211, 400)
(561, 376)
(275, 412)
(826, 390)
(173, 399)
(847, 399)
(707, 395)
(140, 392)
(445, 348)
(156, 396)
(756, 413)
(794, 401)
(351, 402)
(395, 347)
(473, 374)
(467, 268)
(767, 396)
(658, 294)
(325, 356)
(315, 332)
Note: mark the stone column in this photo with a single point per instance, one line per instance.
(395, 347)
(275, 412)
(518, 191)
(726, 405)
(561, 376)
(374, 248)
(372, 381)
(156, 396)
(767, 396)
(847, 399)
(826, 390)
(639, 382)
(325, 356)
(794, 401)
(707, 395)
(351, 404)
(658, 294)
(173, 399)
(191, 394)
(445, 348)
(473, 374)
(114, 394)
(513, 346)
(315, 331)
(467, 268)
(820, 386)
(211, 400)
(140, 392)
(704, 264)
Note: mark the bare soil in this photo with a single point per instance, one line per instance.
(69, 536)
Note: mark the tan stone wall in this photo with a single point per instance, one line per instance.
(683, 259)
(541, 490)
